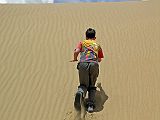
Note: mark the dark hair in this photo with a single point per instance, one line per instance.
(90, 33)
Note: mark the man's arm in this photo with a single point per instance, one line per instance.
(100, 54)
(76, 53)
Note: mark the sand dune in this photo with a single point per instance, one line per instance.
(36, 42)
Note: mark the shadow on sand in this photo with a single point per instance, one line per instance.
(100, 98)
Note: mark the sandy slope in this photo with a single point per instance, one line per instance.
(36, 42)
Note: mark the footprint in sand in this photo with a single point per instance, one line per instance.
(73, 115)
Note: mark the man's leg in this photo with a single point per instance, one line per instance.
(84, 83)
(94, 72)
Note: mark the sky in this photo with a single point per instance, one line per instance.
(26, 1)
(57, 1)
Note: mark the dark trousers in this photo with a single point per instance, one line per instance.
(88, 73)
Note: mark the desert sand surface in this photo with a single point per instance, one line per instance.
(37, 81)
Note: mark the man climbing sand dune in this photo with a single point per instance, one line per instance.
(88, 67)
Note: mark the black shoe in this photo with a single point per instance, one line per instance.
(78, 101)
(90, 108)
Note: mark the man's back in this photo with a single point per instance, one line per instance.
(90, 51)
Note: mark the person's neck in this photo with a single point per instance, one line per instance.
(90, 39)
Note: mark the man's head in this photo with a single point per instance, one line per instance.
(90, 34)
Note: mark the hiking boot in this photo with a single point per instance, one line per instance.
(78, 101)
(90, 108)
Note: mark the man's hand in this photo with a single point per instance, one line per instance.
(99, 59)
(73, 61)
